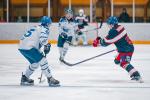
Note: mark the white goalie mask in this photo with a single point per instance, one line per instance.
(81, 12)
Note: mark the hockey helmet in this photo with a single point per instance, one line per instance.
(68, 11)
(112, 20)
(81, 12)
(45, 20)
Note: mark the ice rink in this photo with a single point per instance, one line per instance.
(97, 79)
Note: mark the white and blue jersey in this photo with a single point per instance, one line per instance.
(36, 37)
(66, 31)
(67, 26)
(32, 41)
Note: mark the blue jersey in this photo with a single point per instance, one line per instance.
(118, 36)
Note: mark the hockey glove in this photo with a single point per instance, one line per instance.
(64, 35)
(80, 33)
(96, 41)
(47, 48)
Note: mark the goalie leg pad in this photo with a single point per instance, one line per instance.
(83, 36)
(84, 39)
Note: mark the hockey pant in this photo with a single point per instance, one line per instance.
(36, 58)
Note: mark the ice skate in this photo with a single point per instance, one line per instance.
(53, 82)
(26, 81)
(137, 78)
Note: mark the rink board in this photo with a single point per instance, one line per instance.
(10, 33)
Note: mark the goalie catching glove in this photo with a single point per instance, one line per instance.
(47, 48)
(96, 42)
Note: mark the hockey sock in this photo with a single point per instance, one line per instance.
(30, 69)
(61, 53)
(65, 49)
(45, 67)
(131, 70)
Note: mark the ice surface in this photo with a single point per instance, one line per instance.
(97, 79)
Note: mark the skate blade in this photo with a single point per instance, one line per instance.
(42, 81)
(139, 81)
(54, 85)
(26, 84)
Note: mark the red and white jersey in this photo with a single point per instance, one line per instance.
(118, 36)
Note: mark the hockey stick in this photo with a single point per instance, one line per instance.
(101, 23)
(40, 78)
(69, 64)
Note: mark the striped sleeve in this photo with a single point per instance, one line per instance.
(44, 36)
(115, 35)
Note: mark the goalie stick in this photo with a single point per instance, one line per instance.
(69, 64)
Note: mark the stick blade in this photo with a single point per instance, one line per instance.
(66, 63)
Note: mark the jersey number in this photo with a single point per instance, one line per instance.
(29, 33)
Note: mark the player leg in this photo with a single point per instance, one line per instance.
(25, 79)
(66, 45)
(47, 72)
(36, 58)
(60, 44)
(83, 36)
(63, 45)
(75, 39)
(42, 61)
(78, 36)
(124, 60)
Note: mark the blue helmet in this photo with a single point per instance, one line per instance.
(112, 20)
(45, 20)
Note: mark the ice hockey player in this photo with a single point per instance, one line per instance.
(30, 47)
(67, 27)
(118, 36)
(82, 21)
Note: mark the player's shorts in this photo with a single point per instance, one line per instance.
(33, 55)
(61, 40)
(123, 58)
